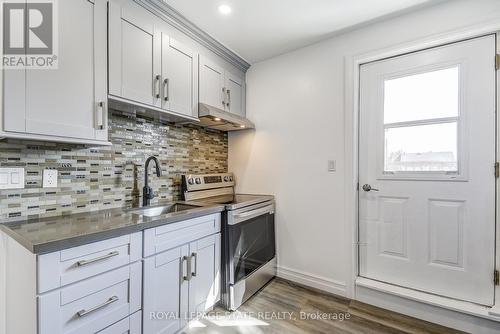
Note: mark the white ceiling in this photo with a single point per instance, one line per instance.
(260, 29)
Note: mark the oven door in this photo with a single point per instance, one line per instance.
(250, 240)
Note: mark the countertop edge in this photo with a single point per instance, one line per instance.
(79, 240)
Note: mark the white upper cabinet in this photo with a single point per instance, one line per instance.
(147, 66)
(179, 77)
(134, 54)
(211, 83)
(221, 88)
(68, 103)
(235, 94)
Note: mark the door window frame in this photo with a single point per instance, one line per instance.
(461, 120)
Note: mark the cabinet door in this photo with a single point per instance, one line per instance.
(180, 77)
(165, 291)
(211, 83)
(235, 94)
(204, 286)
(134, 54)
(70, 101)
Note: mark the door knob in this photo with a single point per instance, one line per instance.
(367, 187)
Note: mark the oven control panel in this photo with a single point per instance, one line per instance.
(192, 182)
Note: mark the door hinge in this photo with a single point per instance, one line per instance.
(497, 62)
(496, 277)
(497, 170)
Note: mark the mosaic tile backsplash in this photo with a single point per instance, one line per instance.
(109, 177)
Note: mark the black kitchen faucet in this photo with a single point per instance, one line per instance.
(147, 191)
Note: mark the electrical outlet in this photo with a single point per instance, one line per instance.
(50, 178)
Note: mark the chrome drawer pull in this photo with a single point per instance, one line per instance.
(195, 256)
(166, 89)
(100, 115)
(224, 95)
(156, 86)
(82, 263)
(83, 313)
(188, 268)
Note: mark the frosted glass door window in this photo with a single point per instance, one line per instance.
(421, 119)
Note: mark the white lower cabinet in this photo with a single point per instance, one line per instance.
(93, 304)
(165, 289)
(204, 285)
(147, 282)
(181, 283)
(130, 325)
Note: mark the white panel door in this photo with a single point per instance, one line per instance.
(235, 90)
(180, 78)
(427, 151)
(62, 102)
(212, 91)
(165, 292)
(134, 54)
(204, 286)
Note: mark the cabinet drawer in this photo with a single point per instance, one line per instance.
(130, 325)
(92, 305)
(74, 264)
(168, 236)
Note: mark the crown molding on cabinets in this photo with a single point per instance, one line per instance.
(176, 19)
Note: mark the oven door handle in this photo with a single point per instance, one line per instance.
(238, 218)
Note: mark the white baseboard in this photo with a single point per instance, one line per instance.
(313, 281)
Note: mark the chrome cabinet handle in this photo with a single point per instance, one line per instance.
(228, 98)
(367, 187)
(100, 115)
(188, 268)
(84, 312)
(82, 263)
(156, 85)
(166, 89)
(224, 96)
(195, 256)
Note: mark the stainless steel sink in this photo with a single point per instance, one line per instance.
(162, 210)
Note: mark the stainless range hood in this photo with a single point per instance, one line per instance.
(215, 118)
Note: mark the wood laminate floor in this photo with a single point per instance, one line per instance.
(285, 307)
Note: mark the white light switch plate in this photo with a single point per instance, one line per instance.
(332, 165)
(49, 178)
(11, 178)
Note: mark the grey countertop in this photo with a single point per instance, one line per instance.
(45, 235)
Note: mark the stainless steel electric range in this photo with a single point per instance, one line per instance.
(248, 235)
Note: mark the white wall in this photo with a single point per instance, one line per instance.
(297, 103)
